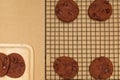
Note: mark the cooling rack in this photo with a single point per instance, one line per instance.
(83, 39)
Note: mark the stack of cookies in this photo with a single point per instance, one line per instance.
(12, 65)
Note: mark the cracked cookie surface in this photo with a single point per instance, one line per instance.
(66, 67)
(4, 64)
(101, 68)
(17, 65)
(66, 10)
(100, 10)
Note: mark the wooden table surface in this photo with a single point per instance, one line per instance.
(22, 21)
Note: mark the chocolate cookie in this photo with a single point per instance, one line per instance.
(100, 10)
(67, 10)
(4, 64)
(17, 66)
(101, 68)
(66, 67)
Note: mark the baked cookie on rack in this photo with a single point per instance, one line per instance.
(66, 67)
(66, 10)
(100, 10)
(101, 68)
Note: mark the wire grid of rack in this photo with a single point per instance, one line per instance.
(83, 39)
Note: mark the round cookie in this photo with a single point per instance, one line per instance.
(100, 10)
(67, 10)
(4, 64)
(17, 66)
(66, 67)
(101, 68)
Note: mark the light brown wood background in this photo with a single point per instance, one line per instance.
(22, 21)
